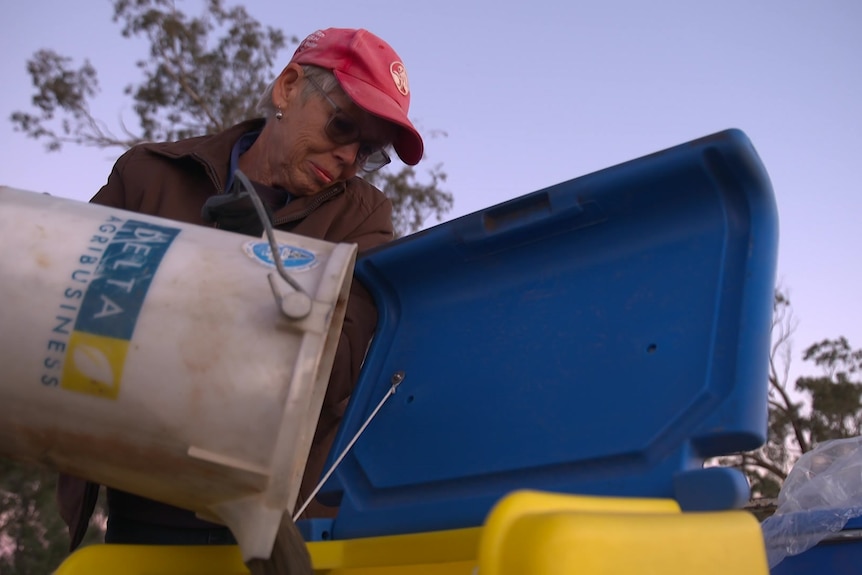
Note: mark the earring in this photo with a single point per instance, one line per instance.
(279, 115)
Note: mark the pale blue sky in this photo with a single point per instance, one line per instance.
(535, 93)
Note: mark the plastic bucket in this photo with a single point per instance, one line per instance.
(152, 356)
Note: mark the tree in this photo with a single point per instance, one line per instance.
(202, 75)
(836, 411)
(412, 202)
(29, 523)
(814, 410)
(33, 539)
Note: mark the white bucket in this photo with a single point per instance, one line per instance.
(151, 356)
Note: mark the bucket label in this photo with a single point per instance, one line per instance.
(293, 258)
(101, 305)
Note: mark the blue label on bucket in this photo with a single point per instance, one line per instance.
(293, 258)
(115, 296)
(102, 303)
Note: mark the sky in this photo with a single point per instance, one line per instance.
(530, 94)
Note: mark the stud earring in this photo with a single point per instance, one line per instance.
(279, 115)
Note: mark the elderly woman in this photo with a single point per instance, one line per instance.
(334, 110)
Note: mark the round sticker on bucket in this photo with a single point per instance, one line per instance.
(293, 258)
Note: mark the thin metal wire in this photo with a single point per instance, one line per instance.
(343, 453)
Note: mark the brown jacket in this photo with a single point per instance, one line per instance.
(173, 180)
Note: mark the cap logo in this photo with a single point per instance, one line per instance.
(399, 76)
(311, 41)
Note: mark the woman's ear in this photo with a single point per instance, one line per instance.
(286, 86)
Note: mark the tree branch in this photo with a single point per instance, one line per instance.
(181, 78)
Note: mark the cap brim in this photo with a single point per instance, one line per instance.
(408, 143)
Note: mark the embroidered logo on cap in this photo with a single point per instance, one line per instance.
(399, 76)
(311, 41)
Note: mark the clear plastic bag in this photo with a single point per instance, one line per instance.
(821, 493)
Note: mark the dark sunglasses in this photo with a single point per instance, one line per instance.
(343, 130)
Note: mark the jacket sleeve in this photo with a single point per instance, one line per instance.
(113, 193)
(76, 500)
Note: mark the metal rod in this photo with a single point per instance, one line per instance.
(395, 383)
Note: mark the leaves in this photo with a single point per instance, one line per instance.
(193, 85)
(63, 91)
(33, 538)
(413, 202)
(30, 527)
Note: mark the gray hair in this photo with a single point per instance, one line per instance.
(325, 78)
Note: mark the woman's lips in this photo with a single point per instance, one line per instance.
(323, 174)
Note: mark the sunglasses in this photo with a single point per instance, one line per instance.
(343, 130)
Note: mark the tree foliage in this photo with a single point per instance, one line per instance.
(30, 526)
(813, 410)
(191, 84)
(836, 411)
(202, 74)
(33, 537)
(413, 203)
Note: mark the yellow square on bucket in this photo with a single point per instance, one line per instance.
(94, 364)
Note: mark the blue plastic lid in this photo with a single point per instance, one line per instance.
(601, 336)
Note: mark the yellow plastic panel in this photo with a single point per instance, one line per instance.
(541, 534)
(526, 533)
(451, 552)
(154, 560)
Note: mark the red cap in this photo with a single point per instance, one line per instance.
(371, 74)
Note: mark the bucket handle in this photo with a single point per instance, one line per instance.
(297, 303)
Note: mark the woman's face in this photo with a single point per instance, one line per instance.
(295, 153)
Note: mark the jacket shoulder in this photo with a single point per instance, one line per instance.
(205, 146)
